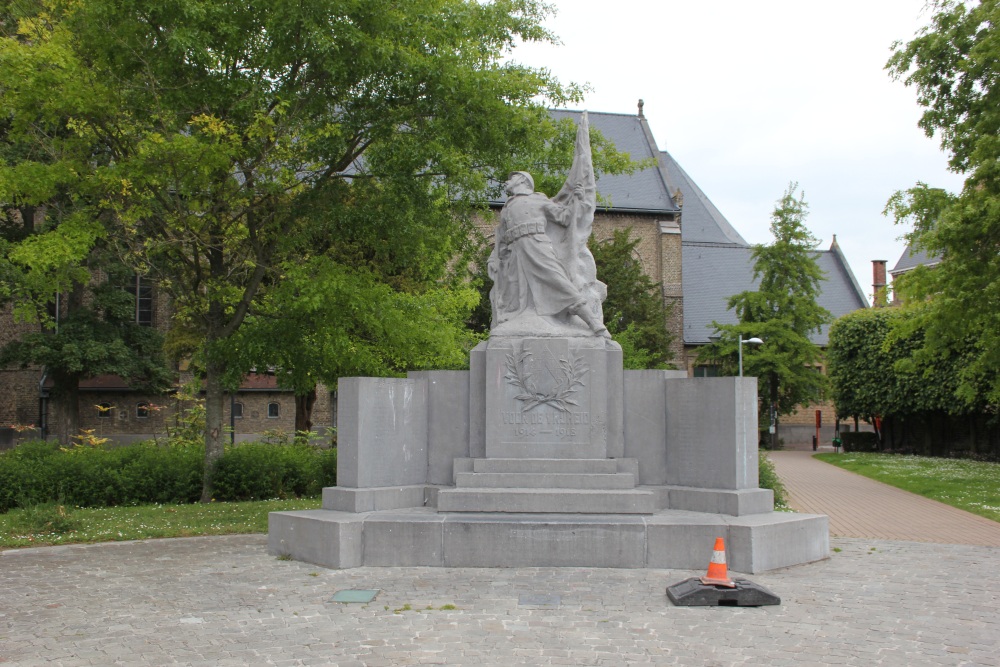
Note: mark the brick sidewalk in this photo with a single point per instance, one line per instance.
(224, 601)
(861, 507)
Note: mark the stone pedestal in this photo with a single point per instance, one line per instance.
(547, 453)
(557, 398)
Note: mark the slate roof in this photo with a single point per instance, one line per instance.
(701, 221)
(712, 273)
(912, 258)
(644, 191)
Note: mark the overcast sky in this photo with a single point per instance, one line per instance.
(748, 96)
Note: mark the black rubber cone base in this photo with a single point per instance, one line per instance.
(693, 593)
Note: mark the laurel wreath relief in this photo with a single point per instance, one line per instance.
(560, 398)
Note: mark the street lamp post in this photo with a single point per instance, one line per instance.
(748, 341)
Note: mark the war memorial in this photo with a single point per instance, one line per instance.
(546, 452)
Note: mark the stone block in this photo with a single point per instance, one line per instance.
(544, 541)
(720, 501)
(447, 421)
(552, 398)
(646, 424)
(764, 542)
(330, 539)
(547, 501)
(412, 539)
(382, 432)
(500, 480)
(566, 466)
(683, 540)
(477, 400)
(712, 432)
(373, 499)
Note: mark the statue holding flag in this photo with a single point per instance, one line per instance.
(543, 273)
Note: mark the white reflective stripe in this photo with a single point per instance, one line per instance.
(719, 557)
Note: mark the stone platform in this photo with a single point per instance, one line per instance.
(672, 539)
(547, 453)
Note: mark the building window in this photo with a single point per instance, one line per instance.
(104, 410)
(273, 410)
(141, 290)
(142, 410)
(706, 371)
(237, 411)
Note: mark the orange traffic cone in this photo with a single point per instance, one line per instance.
(718, 574)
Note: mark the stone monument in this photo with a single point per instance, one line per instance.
(546, 452)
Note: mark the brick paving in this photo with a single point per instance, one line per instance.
(861, 507)
(224, 601)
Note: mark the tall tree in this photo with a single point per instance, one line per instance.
(211, 139)
(782, 312)
(953, 64)
(633, 312)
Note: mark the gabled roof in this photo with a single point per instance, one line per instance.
(644, 191)
(701, 221)
(712, 273)
(912, 258)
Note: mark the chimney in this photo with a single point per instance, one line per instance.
(878, 283)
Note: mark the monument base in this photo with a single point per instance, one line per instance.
(667, 539)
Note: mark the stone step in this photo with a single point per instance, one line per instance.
(548, 501)
(539, 480)
(564, 466)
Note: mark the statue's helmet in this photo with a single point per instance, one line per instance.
(526, 176)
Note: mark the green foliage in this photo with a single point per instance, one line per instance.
(633, 311)
(859, 441)
(874, 367)
(214, 143)
(952, 63)
(38, 473)
(259, 471)
(769, 479)
(782, 312)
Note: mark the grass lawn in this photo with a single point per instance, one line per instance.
(49, 524)
(969, 485)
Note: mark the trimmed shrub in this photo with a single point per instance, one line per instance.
(37, 473)
(260, 471)
(859, 441)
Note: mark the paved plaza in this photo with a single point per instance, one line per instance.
(224, 601)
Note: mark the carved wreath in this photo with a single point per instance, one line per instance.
(560, 398)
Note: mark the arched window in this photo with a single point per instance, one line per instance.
(237, 410)
(273, 410)
(142, 410)
(104, 410)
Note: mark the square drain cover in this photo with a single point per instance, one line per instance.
(354, 595)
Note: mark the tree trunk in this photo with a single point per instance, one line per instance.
(303, 411)
(214, 442)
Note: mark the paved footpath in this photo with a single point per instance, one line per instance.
(224, 601)
(861, 507)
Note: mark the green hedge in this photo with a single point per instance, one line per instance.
(40, 472)
(859, 441)
(262, 471)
